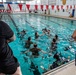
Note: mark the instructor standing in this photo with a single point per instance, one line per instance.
(8, 63)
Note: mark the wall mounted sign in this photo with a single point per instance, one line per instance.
(63, 2)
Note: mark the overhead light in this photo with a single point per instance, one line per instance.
(13, 2)
(18, 1)
(22, 1)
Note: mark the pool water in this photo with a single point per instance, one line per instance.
(31, 23)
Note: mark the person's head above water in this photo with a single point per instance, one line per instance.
(56, 36)
(35, 45)
(54, 40)
(45, 28)
(36, 33)
(29, 38)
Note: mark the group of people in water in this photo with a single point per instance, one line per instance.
(35, 50)
(28, 43)
(53, 46)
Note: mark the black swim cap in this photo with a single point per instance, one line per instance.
(35, 45)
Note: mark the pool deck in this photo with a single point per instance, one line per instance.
(64, 17)
(69, 69)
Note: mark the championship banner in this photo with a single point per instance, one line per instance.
(70, 6)
(28, 6)
(41, 7)
(46, 7)
(52, 6)
(20, 6)
(67, 7)
(57, 7)
(61, 6)
(36, 7)
(9, 7)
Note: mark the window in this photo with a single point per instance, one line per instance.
(0, 0)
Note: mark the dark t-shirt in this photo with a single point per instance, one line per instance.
(8, 63)
(35, 51)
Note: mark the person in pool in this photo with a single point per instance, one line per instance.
(56, 56)
(53, 45)
(36, 35)
(28, 43)
(21, 34)
(48, 33)
(56, 37)
(35, 50)
(44, 30)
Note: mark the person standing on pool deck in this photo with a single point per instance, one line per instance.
(8, 63)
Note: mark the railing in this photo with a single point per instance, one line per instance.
(54, 71)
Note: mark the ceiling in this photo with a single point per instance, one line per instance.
(14, 0)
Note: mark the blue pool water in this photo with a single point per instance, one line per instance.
(31, 23)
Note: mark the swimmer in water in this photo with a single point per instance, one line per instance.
(56, 37)
(36, 35)
(56, 56)
(28, 43)
(35, 50)
(44, 30)
(21, 34)
(53, 45)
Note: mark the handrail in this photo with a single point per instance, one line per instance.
(62, 66)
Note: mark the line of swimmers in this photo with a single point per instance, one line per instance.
(45, 31)
(23, 32)
(35, 51)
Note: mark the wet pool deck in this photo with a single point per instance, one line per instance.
(69, 69)
(64, 17)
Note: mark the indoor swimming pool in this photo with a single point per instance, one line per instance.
(65, 47)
